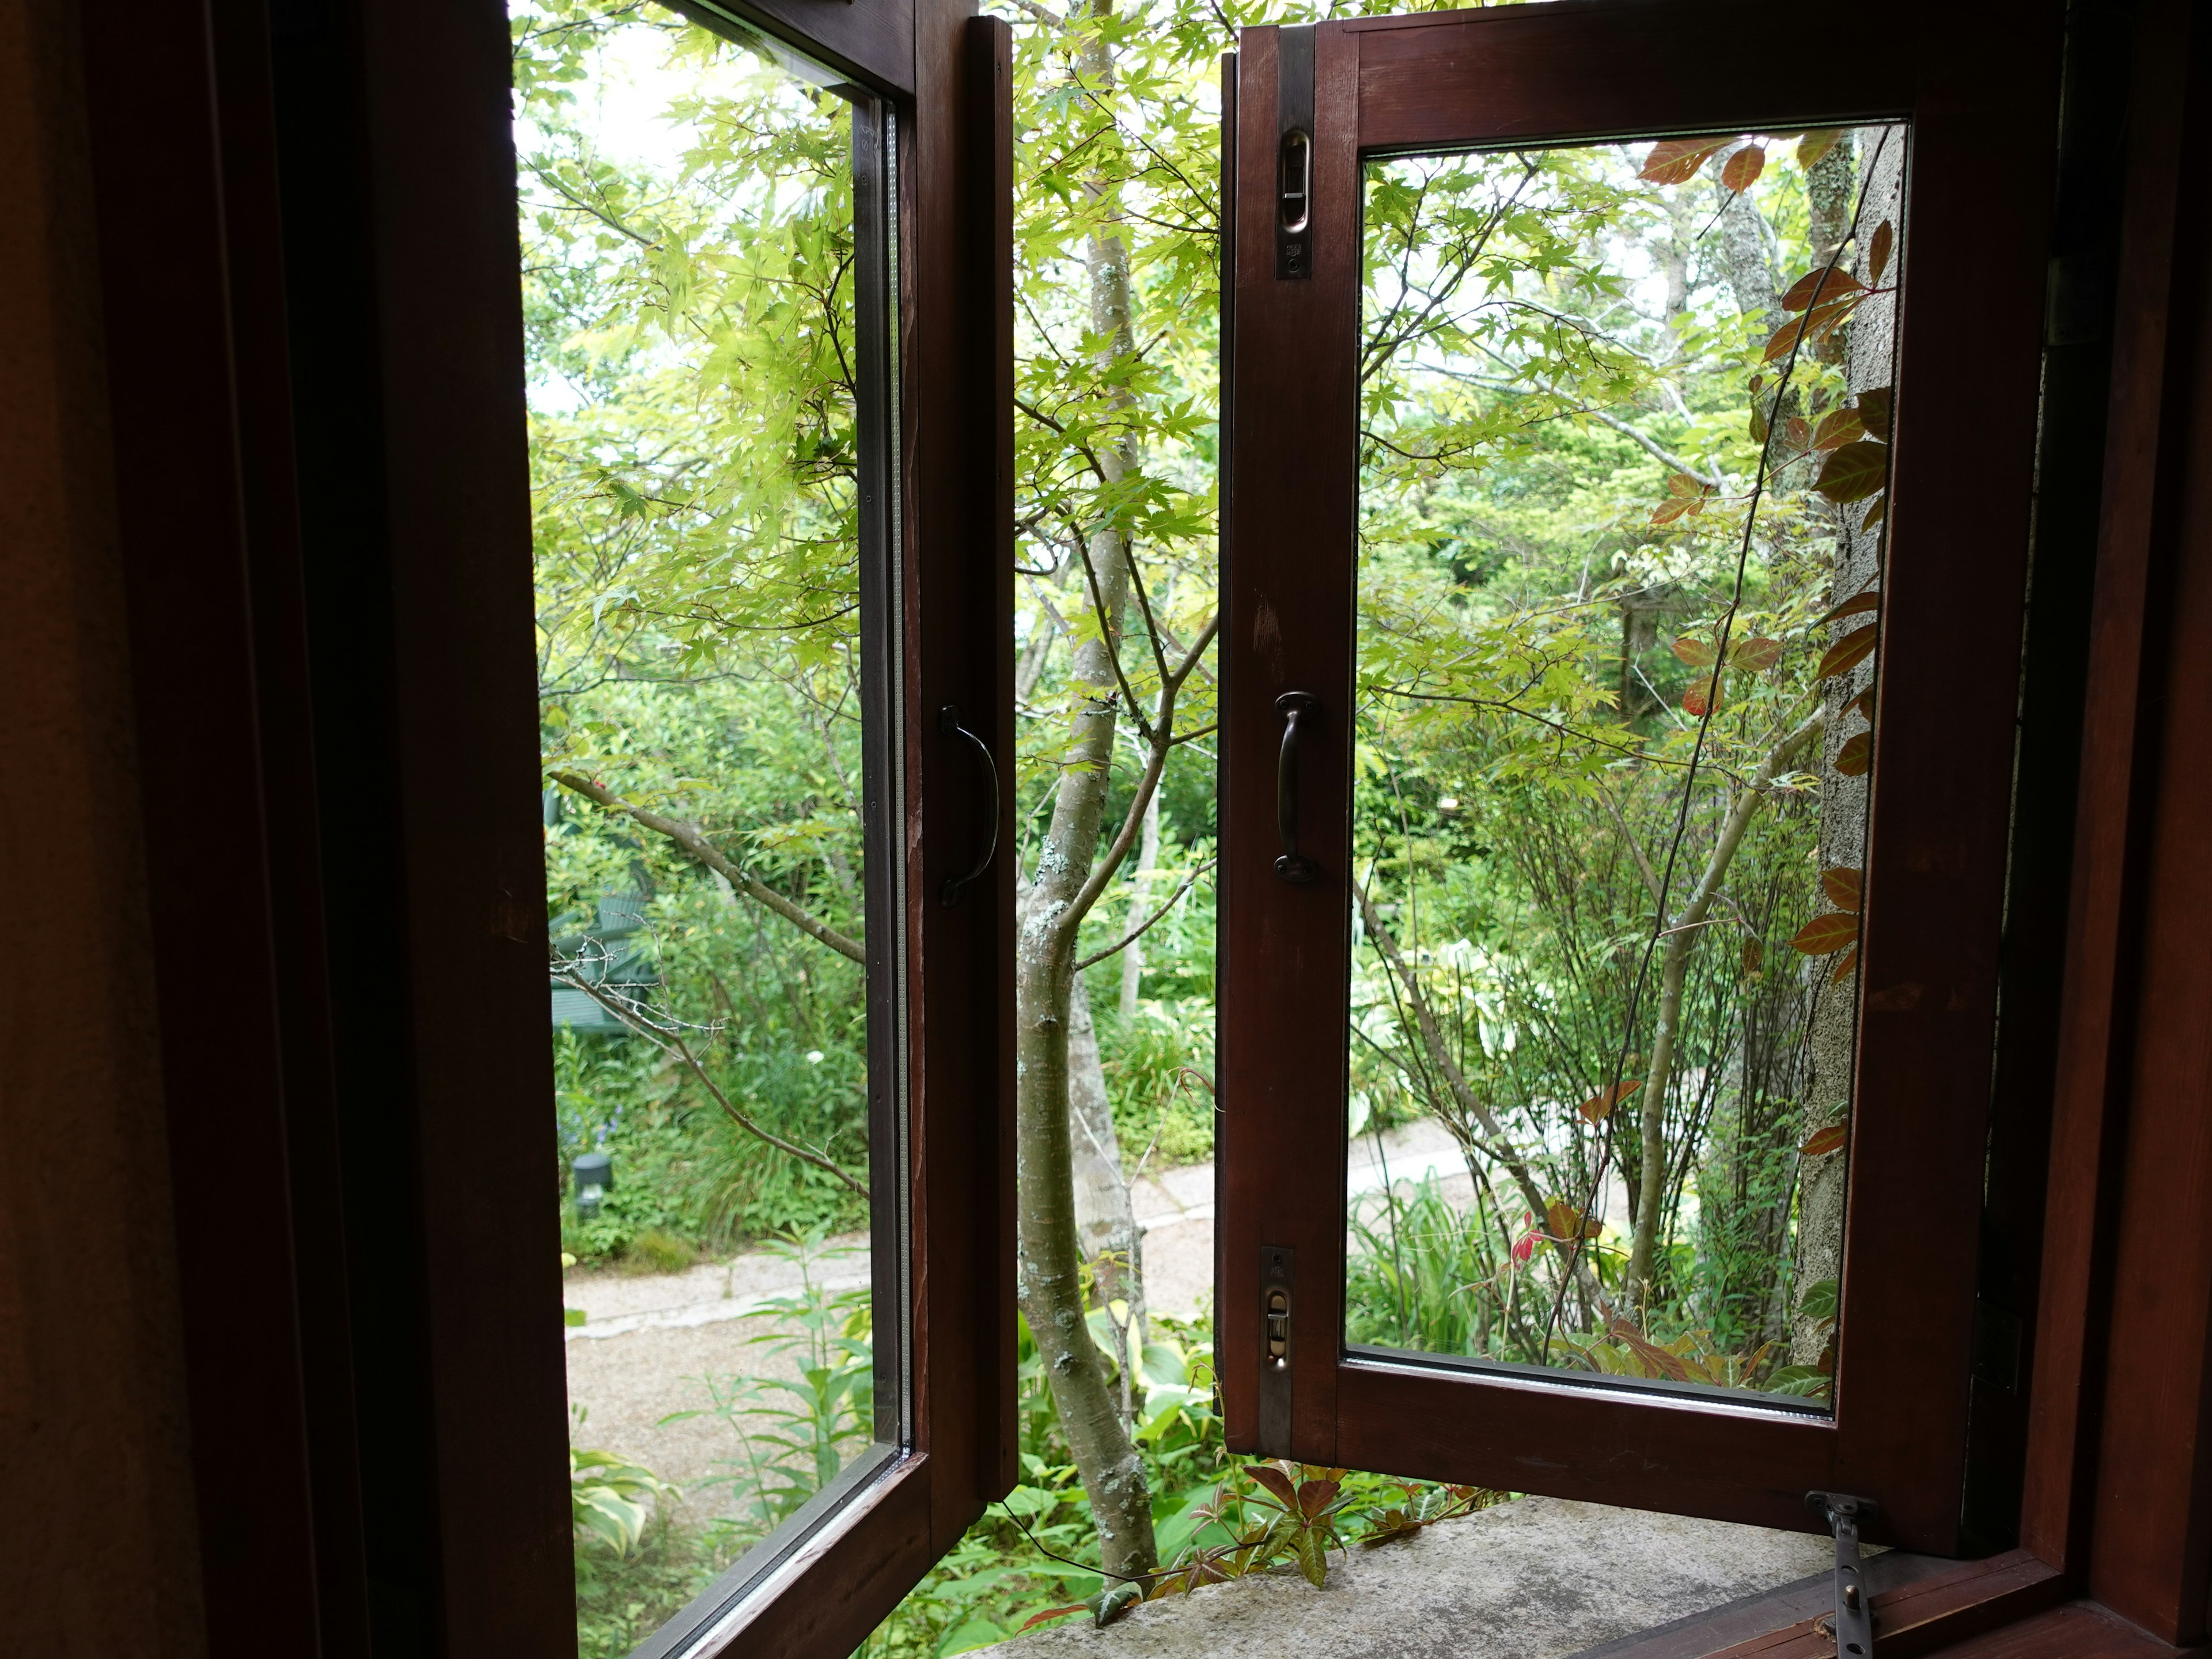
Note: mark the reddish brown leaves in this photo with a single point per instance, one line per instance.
(1700, 701)
(1862, 705)
(1842, 885)
(1854, 472)
(1315, 1495)
(1676, 160)
(1743, 169)
(1566, 1223)
(1874, 412)
(1874, 514)
(1753, 652)
(1599, 1106)
(1754, 957)
(1685, 495)
(1816, 144)
(1858, 604)
(1885, 238)
(1660, 1363)
(1844, 966)
(1276, 1482)
(1824, 1141)
(1053, 1613)
(1838, 427)
(1857, 756)
(1828, 295)
(1816, 325)
(1825, 935)
(1821, 285)
(1846, 654)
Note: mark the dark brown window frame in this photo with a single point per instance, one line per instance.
(299, 1254)
(1979, 89)
(327, 508)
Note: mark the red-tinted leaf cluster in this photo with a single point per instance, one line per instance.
(1599, 1106)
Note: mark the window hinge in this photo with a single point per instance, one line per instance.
(1854, 1615)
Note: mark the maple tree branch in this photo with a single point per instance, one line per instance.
(693, 840)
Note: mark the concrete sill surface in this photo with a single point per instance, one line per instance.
(1541, 1578)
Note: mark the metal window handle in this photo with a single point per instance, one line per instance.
(1295, 204)
(1297, 708)
(948, 722)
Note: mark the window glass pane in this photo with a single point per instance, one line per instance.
(1622, 471)
(707, 271)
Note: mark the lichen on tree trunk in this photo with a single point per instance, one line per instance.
(1832, 1023)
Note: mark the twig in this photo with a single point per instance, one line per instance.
(1138, 933)
(674, 1046)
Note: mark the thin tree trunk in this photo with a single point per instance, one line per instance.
(1747, 249)
(1105, 1219)
(1674, 970)
(1133, 956)
(1051, 1260)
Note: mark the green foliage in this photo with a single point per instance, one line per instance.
(612, 1500)
(1215, 1516)
(1158, 1064)
(1416, 1260)
(794, 1435)
(1566, 693)
(690, 297)
(621, 1600)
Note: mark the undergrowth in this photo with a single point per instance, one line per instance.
(1030, 1557)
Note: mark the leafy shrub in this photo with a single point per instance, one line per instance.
(658, 1250)
(612, 1499)
(1422, 1274)
(1157, 1063)
(794, 1435)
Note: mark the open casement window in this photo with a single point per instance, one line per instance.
(1759, 752)
(784, 493)
(823, 556)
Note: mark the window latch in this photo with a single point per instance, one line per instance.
(1294, 155)
(1277, 1276)
(1854, 1615)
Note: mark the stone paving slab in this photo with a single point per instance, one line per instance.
(1542, 1578)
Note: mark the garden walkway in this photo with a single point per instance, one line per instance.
(646, 1340)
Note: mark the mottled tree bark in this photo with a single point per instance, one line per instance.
(1133, 956)
(1834, 1017)
(1105, 1219)
(1746, 244)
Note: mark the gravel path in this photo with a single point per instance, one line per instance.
(647, 1339)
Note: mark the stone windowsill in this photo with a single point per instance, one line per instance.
(1541, 1578)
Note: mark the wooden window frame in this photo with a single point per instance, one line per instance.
(324, 508)
(1982, 100)
(300, 1127)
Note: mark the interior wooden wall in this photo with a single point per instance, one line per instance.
(101, 1555)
